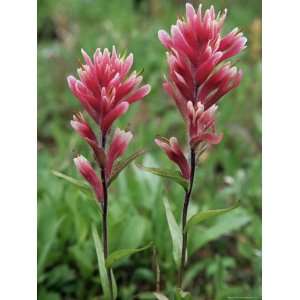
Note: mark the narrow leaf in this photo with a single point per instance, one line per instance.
(170, 174)
(120, 254)
(174, 231)
(160, 296)
(123, 164)
(114, 285)
(225, 225)
(205, 215)
(101, 263)
(76, 182)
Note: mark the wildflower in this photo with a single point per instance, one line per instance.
(196, 50)
(104, 88)
(198, 77)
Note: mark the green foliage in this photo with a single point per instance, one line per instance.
(181, 295)
(101, 264)
(169, 174)
(67, 261)
(205, 215)
(222, 226)
(120, 166)
(120, 254)
(82, 185)
(175, 232)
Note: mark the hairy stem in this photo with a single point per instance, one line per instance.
(184, 217)
(104, 219)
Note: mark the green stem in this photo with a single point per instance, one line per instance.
(184, 218)
(104, 219)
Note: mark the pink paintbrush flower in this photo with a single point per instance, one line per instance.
(105, 89)
(174, 152)
(196, 50)
(198, 77)
(119, 144)
(86, 170)
(201, 124)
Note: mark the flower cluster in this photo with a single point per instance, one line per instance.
(198, 75)
(105, 89)
(196, 48)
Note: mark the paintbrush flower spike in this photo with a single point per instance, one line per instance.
(105, 88)
(196, 54)
(199, 75)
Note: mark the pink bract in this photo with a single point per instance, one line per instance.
(81, 126)
(201, 124)
(175, 153)
(119, 144)
(105, 88)
(87, 171)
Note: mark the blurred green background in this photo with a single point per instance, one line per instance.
(225, 253)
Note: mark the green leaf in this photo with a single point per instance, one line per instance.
(114, 285)
(181, 295)
(120, 254)
(205, 215)
(44, 294)
(192, 272)
(42, 258)
(101, 263)
(170, 174)
(118, 168)
(174, 231)
(225, 225)
(151, 296)
(82, 185)
(160, 296)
